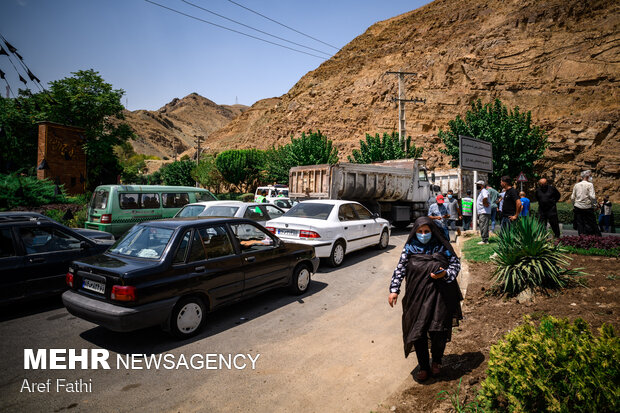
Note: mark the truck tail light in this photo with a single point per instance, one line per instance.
(123, 293)
(69, 279)
(271, 229)
(308, 234)
(106, 218)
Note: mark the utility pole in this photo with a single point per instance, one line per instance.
(199, 139)
(402, 129)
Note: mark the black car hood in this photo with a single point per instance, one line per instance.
(115, 263)
(94, 234)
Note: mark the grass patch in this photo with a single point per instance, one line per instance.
(614, 252)
(479, 253)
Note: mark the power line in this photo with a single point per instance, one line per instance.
(232, 30)
(282, 24)
(253, 28)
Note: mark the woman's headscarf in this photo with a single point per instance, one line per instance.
(437, 232)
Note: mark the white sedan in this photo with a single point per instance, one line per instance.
(332, 227)
(260, 213)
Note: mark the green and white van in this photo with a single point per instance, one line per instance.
(116, 208)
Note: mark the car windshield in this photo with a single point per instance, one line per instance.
(190, 211)
(143, 241)
(283, 192)
(100, 199)
(310, 210)
(220, 211)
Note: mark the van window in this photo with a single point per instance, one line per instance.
(149, 201)
(129, 201)
(204, 196)
(176, 200)
(100, 199)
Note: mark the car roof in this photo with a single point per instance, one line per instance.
(191, 221)
(329, 201)
(15, 216)
(214, 203)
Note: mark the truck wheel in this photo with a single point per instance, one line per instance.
(337, 256)
(401, 225)
(300, 280)
(188, 317)
(384, 240)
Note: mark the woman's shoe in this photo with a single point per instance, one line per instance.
(435, 369)
(422, 375)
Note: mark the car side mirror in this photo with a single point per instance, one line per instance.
(433, 177)
(84, 245)
(376, 215)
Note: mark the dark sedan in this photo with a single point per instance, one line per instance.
(35, 253)
(172, 272)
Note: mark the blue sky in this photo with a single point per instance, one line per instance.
(156, 55)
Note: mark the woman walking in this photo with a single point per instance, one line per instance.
(432, 295)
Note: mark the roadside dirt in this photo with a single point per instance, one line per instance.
(487, 318)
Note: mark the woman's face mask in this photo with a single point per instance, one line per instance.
(449, 196)
(424, 238)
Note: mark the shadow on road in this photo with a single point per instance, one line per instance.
(353, 258)
(154, 341)
(25, 309)
(454, 366)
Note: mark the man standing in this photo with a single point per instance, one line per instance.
(512, 204)
(439, 213)
(584, 204)
(455, 212)
(525, 202)
(605, 219)
(484, 212)
(493, 195)
(467, 207)
(547, 197)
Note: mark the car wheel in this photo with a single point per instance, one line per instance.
(337, 255)
(301, 279)
(188, 317)
(384, 240)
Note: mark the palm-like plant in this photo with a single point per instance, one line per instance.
(527, 258)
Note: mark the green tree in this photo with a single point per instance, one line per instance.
(312, 149)
(178, 173)
(277, 164)
(241, 167)
(517, 144)
(207, 174)
(379, 149)
(84, 100)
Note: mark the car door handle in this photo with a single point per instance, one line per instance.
(364, 226)
(36, 260)
(346, 227)
(199, 269)
(250, 259)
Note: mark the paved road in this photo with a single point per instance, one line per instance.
(337, 348)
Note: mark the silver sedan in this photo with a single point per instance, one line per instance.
(258, 212)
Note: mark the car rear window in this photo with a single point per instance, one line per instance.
(310, 210)
(220, 211)
(100, 199)
(143, 241)
(190, 211)
(205, 196)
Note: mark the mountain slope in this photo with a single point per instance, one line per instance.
(173, 126)
(558, 58)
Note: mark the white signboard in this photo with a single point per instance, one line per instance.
(475, 154)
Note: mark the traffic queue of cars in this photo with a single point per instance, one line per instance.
(171, 272)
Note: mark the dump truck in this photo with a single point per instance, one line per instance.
(459, 181)
(399, 191)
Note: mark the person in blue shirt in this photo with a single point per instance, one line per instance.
(525, 202)
(431, 304)
(439, 213)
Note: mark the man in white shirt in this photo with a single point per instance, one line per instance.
(484, 212)
(584, 205)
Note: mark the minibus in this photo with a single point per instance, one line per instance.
(117, 208)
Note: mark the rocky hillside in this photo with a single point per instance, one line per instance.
(173, 126)
(558, 58)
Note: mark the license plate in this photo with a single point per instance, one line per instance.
(290, 232)
(94, 286)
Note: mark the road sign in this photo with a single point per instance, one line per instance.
(522, 177)
(475, 155)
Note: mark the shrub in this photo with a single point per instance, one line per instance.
(565, 211)
(553, 367)
(240, 167)
(18, 190)
(377, 149)
(527, 258)
(178, 173)
(590, 241)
